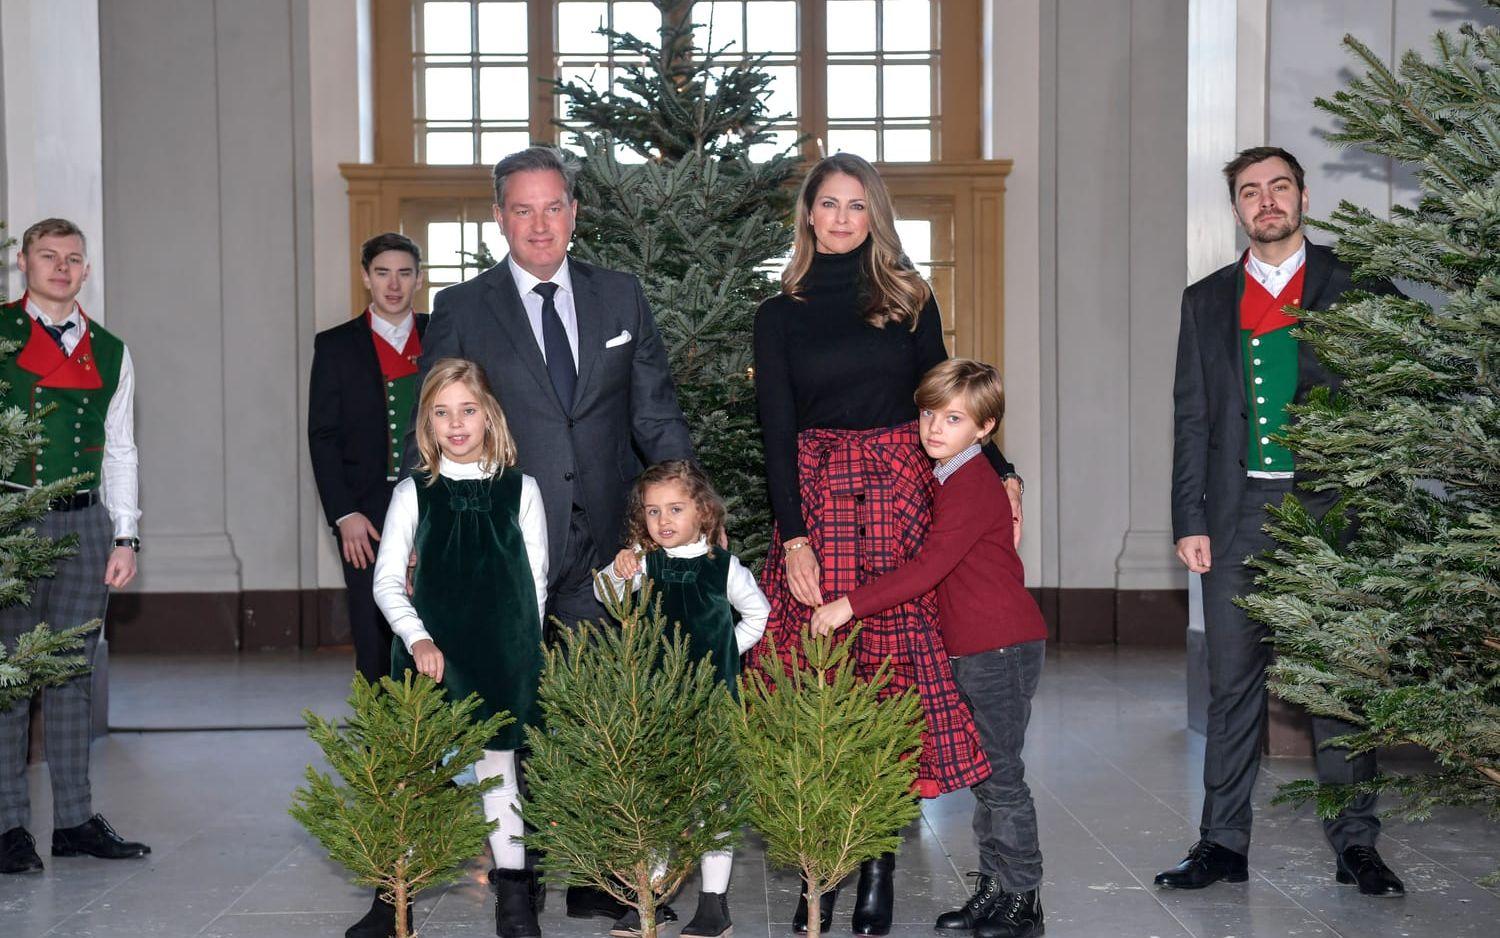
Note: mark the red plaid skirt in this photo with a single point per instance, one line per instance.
(867, 500)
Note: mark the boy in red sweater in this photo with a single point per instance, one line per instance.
(991, 627)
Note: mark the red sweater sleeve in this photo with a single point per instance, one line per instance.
(954, 532)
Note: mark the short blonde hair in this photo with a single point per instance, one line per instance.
(58, 227)
(976, 383)
(497, 449)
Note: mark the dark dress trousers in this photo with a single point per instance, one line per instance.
(1211, 495)
(348, 437)
(584, 457)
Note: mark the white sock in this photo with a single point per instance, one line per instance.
(501, 805)
(717, 865)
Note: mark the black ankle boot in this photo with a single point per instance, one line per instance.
(712, 918)
(875, 896)
(987, 895)
(825, 911)
(1016, 915)
(515, 911)
(379, 922)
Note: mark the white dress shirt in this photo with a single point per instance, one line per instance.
(563, 300)
(742, 592)
(1275, 279)
(119, 477)
(401, 531)
(394, 336)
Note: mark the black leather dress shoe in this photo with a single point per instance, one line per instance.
(987, 894)
(826, 903)
(588, 902)
(629, 924)
(95, 838)
(18, 852)
(1206, 864)
(875, 896)
(1362, 865)
(1016, 915)
(379, 922)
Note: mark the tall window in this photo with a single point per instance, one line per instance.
(472, 80)
(882, 59)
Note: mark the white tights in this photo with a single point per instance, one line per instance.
(502, 805)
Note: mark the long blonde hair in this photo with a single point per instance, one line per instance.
(497, 449)
(895, 291)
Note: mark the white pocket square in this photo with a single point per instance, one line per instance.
(620, 339)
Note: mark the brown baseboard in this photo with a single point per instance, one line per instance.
(1151, 617)
(1110, 617)
(190, 623)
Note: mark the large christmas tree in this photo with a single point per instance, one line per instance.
(41, 657)
(1399, 630)
(698, 221)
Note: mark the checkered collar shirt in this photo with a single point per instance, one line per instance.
(944, 470)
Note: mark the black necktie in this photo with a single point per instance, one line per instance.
(57, 333)
(560, 367)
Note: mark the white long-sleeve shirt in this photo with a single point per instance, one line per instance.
(401, 531)
(119, 476)
(743, 593)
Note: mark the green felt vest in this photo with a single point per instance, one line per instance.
(400, 398)
(1270, 369)
(694, 591)
(474, 592)
(74, 428)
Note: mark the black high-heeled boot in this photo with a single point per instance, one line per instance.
(825, 911)
(875, 896)
(379, 922)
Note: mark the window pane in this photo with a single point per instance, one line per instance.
(859, 142)
(642, 20)
(444, 239)
(718, 24)
(907, 26)
(773, 26)
(908, 146)
(851, 25)
(503, 93)
(450, 148)
(445, 28)
(851, 91)
(502, 28)
(783, 88)
(449, 94)
(908, 90)
(489, 233)
(576, 25)
(496, 145)
(780, 140)
(916, 238)
(597, 78)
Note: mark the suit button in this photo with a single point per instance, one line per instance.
(570, 423)
(861, 530)
(1244, 416)
(567, 477)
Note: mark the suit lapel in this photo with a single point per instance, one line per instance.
(510, 315)
(588, 309)
(1227, 290)
(1318, 269)
(369, 361)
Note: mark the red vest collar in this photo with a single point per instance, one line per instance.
(1260, 312)
(394, 364)
(43, 358)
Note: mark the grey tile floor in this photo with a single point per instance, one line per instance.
(1115, 775)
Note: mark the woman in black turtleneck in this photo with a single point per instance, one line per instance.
(838, 356)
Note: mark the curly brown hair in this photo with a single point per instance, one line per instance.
(711, 512)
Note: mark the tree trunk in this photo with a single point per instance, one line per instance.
(814, 909)
(401, 901)
(645, 899)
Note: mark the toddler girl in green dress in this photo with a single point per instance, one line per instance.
(473, 619)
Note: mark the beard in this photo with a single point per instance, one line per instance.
(1268, 229)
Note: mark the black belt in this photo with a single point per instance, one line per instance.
(74, 502)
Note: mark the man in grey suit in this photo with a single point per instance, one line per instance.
(1238, 367)
(572, 352)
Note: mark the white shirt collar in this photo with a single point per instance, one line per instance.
(696, 549)
(396, 335)
(956, 463)
(1266, 274)
(525, 281)
(36, 312)
(462, 470)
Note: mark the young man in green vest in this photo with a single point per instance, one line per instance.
(67, 360)
(1238, 367)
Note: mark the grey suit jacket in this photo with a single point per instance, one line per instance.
(1211, 423)
(624, 403)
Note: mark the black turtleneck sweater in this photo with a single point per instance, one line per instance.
(818, 363)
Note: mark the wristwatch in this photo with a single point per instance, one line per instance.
(134, 543)
(1019, 481)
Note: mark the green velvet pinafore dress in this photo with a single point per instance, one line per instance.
(473, 589)
(694, 591)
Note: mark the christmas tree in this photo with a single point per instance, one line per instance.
(635, 774)
(829, 764)
(394, 820)
(698, 222)
(42, 657)
(1394, 624)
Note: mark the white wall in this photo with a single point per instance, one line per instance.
(51, 101)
